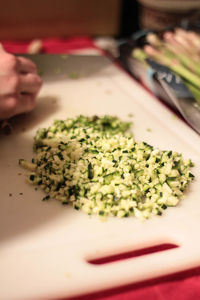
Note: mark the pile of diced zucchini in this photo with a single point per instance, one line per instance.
(96, 164)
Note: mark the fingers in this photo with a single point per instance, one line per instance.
(26, 66)
(11, 106)
(19, 84)
(26, 102)
(30, 83)
(1, 48)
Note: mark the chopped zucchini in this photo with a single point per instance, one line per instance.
(96, 164)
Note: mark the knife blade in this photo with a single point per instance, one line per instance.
(178, 92)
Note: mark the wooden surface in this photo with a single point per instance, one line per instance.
(48, 18)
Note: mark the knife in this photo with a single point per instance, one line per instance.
(178, 92)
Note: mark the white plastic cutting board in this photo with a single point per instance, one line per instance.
(44, 246)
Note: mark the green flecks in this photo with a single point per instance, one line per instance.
(46, 198)
(76, 207)
(101, 213)
(57, 71)
(64, 56)
(130, 115)
(90, 171)
(149, 129)
(191, 175)
(73, 75)
(32, 177)
(40, 72)
(174, 117)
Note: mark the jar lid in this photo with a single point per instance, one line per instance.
(171, 5)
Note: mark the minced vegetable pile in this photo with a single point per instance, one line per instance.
(96, 164)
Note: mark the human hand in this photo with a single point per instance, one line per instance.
(19, 85)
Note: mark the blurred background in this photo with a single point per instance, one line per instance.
(48, 18)
(120, 29)
(119, 18)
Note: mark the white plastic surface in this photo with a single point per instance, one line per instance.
(44, 246)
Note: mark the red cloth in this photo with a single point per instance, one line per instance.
(180, 286)
(51, 45)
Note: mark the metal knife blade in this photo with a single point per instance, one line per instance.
(178, 93)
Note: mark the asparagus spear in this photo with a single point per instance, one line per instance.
(173, 52)
(142, 55)
(157, 43)
(180, 45)
(173, 64)
(195, 91)
(191, 39)
(169, 37)
(195, 39)
(154, 40)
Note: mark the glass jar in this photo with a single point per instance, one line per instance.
(159, 14)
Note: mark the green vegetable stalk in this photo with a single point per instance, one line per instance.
(179, 51)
